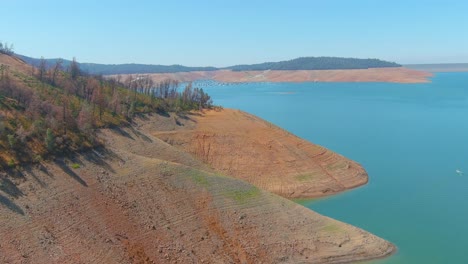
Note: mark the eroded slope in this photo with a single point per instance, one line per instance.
(129, 204)
(244, 146)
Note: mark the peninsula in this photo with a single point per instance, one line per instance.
(246, 147)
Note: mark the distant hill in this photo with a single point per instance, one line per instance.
(439, 67)
(317, 63)
(35, 61)
(306, 63)
(106, 69)
(131, 68)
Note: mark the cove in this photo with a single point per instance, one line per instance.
(411, 139)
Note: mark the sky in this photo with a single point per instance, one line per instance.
(228, 32)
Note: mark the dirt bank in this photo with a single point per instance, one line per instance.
(396, 75)
(144, 201)
(241, 145)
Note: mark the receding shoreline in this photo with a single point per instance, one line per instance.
(246, 147)
(393, 75)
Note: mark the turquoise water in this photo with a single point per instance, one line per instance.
(410, 138)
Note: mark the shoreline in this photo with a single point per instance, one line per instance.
(197, 120)
(284, 164)
(391, 75)
(115, 196)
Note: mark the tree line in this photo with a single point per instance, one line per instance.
(108, 69)
(317, 63)
(167, 93)
(304, 63)
(55, 109)
(6, 49)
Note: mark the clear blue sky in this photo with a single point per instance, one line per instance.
(221, 33)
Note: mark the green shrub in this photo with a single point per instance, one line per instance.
(11, 141)
(37, 158)
(49, 140)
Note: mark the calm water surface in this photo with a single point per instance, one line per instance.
(410, 138)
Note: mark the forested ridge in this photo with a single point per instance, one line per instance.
(127, 68)
(305, 63)
(317, 63)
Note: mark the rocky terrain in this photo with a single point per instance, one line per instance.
(142, 200)
(396, 75)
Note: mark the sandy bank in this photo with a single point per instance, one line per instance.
(396, 75)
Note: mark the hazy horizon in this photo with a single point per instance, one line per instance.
(104, 63)
(206, 33)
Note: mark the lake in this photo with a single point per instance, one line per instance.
(411, 139)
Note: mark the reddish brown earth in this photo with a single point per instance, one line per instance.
(14, 63)
(144, 201)
(397, 75)
(241, 145)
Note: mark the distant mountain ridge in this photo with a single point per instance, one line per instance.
(317, 63)
(129, 68)
(304, 63)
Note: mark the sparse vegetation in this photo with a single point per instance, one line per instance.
(332, 228)
(200, 178)
(243, 195)
(6, 49)
(11, 141)
(49, 140)
(304, 177)
(50, 110)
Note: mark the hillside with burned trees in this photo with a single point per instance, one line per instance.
(50, 110)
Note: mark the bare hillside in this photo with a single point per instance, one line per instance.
(144, 201)
(241, 145)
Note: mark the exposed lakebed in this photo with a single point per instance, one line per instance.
(411, 139)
